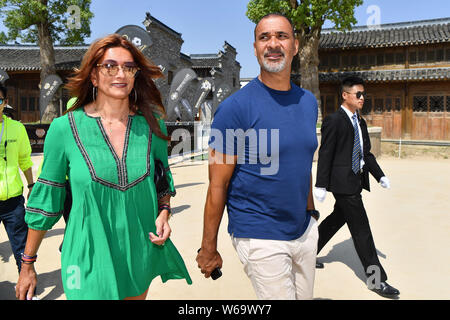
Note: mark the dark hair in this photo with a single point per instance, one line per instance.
(148, 98)
(276, 14)
(351, 81)
(4, 90)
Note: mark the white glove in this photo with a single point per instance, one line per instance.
(384, 182)
(320, 194)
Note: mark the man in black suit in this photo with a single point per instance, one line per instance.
(343, 168)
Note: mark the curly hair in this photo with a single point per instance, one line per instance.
(148, 101)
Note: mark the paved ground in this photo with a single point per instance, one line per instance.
(410, 224)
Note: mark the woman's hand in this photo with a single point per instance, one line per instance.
(162, 229)
(26, 283)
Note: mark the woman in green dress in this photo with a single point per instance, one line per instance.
(117, 237)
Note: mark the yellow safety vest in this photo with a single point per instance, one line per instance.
(15, 153)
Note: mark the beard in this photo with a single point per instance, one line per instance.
(274, 66)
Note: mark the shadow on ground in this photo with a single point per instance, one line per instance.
(5, 247)
(179, 186)
(176, 210)
(51, 280)
(345, 252)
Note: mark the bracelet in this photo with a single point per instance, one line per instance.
(30, 185)
(165, 206)
(28, 259)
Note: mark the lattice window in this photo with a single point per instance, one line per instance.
(439, 55)
(400, 58)
(363, 60)
(421, 56)
(380, 59)
(324, 61)
(448, 103)
(430, 56)
(334, 61)
(389, 58)
(367, 107)
(330, 104)
(420, 104)
(436, 103)
(372, 60)
(379, 105)
(413, 57)
(353, 60)
(388, 104)
(23, 103)
(31, 104)
(345, 62)
(447, 54)
(397, 104)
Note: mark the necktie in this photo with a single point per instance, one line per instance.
(356, 147)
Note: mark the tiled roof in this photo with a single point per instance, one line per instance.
(149, 19)
(27, 58)
(207, 60)
(389, 75)
(388, 35)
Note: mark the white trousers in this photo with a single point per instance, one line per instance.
(281, 270)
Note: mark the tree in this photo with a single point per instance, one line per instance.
(308, 17)
(45, 22)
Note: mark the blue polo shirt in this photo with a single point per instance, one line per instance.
(273, 133)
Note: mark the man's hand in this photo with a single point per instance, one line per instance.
(385, 183)
(320, 194)
(208, 261)
(26, 283)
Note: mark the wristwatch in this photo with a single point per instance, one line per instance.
(314, 213)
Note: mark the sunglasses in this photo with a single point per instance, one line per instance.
(112, 69)
(359, 94)
(2, 100)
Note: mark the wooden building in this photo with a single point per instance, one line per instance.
(406, 67)
(22, 63)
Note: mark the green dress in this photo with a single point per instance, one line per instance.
(107, 253)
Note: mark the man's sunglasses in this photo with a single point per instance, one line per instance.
(2, 100)
(359, 94)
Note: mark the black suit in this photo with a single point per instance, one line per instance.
(334, 172)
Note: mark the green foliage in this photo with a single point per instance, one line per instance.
(22, 17)
(307, 14)
(3, 38)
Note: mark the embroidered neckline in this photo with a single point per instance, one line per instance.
(123, 183)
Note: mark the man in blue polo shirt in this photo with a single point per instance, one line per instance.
(262, 143)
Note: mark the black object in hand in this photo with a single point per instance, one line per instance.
(216, 274)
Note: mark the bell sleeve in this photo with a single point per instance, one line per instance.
(46, 203)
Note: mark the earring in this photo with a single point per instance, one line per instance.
(94, 93)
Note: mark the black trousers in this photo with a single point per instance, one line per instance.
(350, 209)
